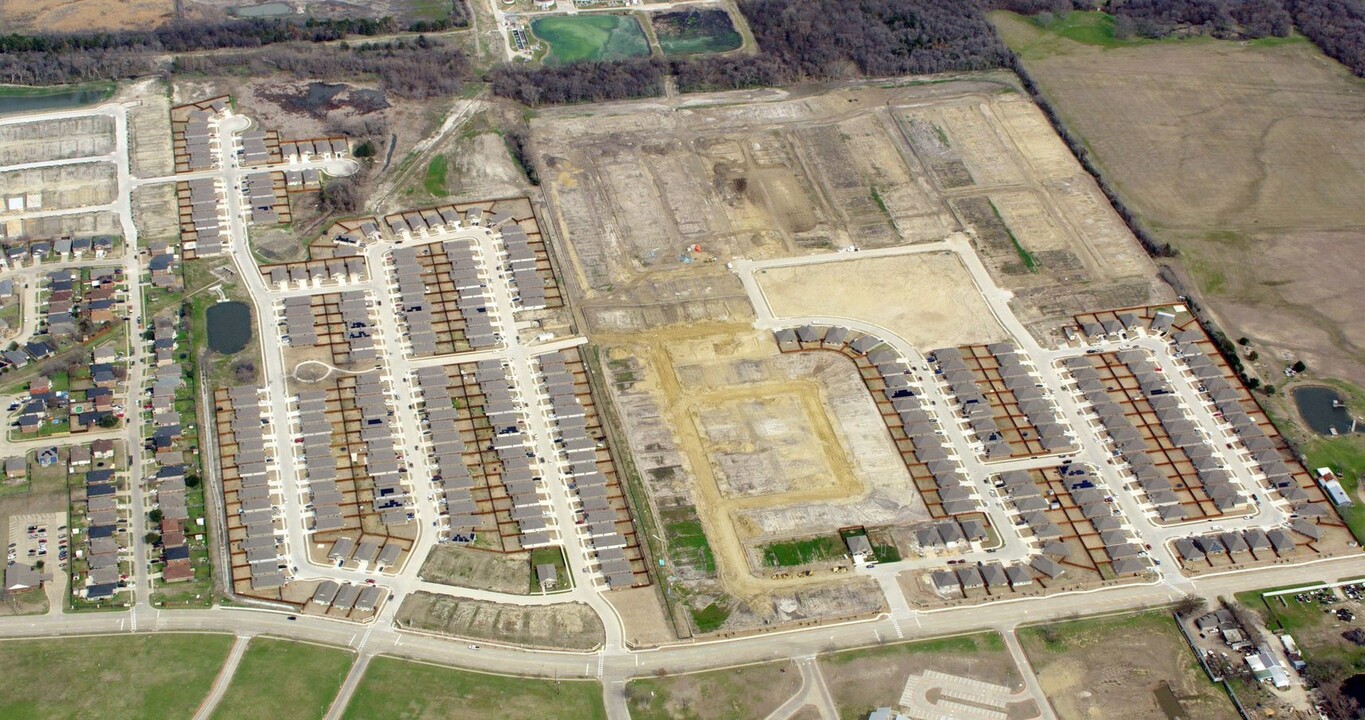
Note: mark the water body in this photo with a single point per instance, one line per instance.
(1318, 406)
(270, 9)
(60, 98)
(229, 325)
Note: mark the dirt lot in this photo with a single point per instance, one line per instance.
(570, 626)
(652, 197)
(1249, 157)
(926, 298)
(57, 16)
(1113, 667)
(64, 186)
(861, 680)
(479, 569)
(642, 615)
(752, 691)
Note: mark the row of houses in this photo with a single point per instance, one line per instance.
(353, 342)
(411, 224)
(256, 541)
(166, 443)
(203, 228)
(994, 576)
(520, 263)
(316, 273)
(512, 446)
(1237, 545)
(597, 514)
(446, 451)
(16, 255)
(1281, 474)
(100, 575)
(415, 299)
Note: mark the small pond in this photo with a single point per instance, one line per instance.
(229, 326)
(270, 9)
(17, 100)
(1323, 409)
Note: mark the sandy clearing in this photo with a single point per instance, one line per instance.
(928, 298)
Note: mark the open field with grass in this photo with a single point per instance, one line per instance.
(305, 676)
(1248, 157)
(129, 676)
(386, 692)
(591, 37)
(862, 680)
(693, 32)
(752, 691)
(1346, 456)
(1111, 667)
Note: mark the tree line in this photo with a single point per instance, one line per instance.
(798, 40)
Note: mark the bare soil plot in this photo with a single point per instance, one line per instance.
(927, 298)
(56, 139)
(386, 692)
(862, 680)
(741, 693)
(571, 626)
(479, 569)
(63, 186)
(1112, 667)
(642, 615)
(1248, 157)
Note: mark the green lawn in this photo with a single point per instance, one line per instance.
(580, 38)
(801, 552)
(305, 676)
(687, 543)
(401, 690)
(129, 676)
(957, 645)
(1346, 456)
(553, 556)
(435, 182)
(710, 618)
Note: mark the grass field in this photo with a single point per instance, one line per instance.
(396, 689)
(1246, 157)
(1346, 456)
(742, 693)
(801, 552)
(693, 32)
(435, 181)
(687, 543)
(591, 37)
(274, 671)
(1129, 656)
(130, 676)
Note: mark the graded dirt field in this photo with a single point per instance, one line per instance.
(479, 569)
(927, 298)
(751, 691)
(305, 676)
(653, 198)
(1112, 668)
(862, 680)
(570, 626)
(133, 676)
(399, 690)
(1249, 157)
(58, 16)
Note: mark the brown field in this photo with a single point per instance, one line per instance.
(83, 15)
(570, 626)
(752, 691)
(926, 298)
(1248, 157)
(861, 680)
(1112, 668)
(479, 569)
